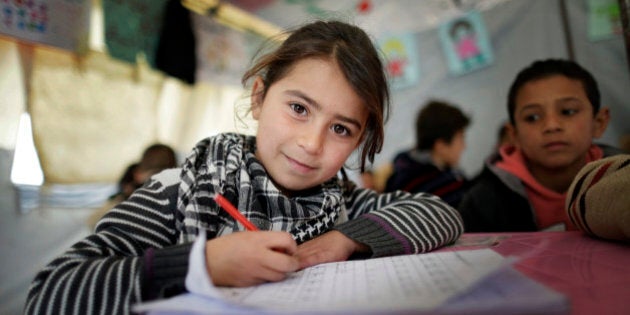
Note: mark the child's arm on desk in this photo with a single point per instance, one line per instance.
(328, 247)
(385, 224)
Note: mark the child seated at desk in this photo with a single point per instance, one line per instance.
(433, 164)
(554, 111)
(155, 158)
(598, 201)
(318, 97)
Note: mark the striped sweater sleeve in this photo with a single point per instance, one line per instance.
(400, 222)
(105, 272)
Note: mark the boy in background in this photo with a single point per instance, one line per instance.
(432, 165)
(155, 158)
(554, 111)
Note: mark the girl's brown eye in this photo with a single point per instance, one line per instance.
(298, 108)
(341, 130)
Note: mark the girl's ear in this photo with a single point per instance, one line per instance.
(258, 89)
(601, 122)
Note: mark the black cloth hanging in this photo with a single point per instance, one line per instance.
(176, 51)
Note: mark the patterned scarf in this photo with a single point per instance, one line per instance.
(226, 164)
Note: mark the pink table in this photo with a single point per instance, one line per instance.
(594, 274)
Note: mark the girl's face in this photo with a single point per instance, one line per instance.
(555, 123)
(309, 122)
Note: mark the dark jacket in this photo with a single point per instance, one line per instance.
(415, 172)
(497, 201)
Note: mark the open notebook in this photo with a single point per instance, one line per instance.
(450, 282)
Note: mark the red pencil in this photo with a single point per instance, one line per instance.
(225, 204)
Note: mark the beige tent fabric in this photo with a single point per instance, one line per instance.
(91, 116)
(12, 99)
(211, 110)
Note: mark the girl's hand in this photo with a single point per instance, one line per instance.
(248, 258)
(329, 247)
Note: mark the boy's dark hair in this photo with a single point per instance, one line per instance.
(155, 158)
(355, 54)
(438, 120)
(158, 157)
(546, 68)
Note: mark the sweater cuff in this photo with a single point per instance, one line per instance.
(376, 236)
(164, 271)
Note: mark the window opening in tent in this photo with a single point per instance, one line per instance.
(26, 169)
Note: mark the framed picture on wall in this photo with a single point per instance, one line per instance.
(401, 59)
(63, 24)
(604, 19)
(465, 43)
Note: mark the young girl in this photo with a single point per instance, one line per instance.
(318, 97)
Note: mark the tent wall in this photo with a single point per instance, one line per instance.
(128, 111)
(521, 32)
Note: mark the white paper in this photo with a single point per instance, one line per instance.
(398, 283)
(198, 280)
(408, 282)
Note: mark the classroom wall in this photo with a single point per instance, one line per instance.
(608, 62)
(92, 116)
(520, 32)
(482, 93)
(12, 94)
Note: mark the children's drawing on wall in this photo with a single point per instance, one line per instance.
(401, 60)
(327, 9)
(465, 42)
(604, 19)
(59, 23)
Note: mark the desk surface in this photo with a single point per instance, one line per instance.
(594, 274)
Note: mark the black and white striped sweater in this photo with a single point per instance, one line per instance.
(140, 249)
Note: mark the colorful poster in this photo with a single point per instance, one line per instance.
(465, 43)
(401, 60)
(63, 24)
(604, 19)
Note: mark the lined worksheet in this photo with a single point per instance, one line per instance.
(462, 282)
(408, 282)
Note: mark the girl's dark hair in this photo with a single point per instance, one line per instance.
(353, 51)
(546, 68)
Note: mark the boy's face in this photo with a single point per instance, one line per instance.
(450, 153)
(554, 122)
(309, 122)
